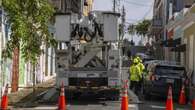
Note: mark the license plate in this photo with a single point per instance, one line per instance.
(170, 80)
(82, 75)
(92, 75)
(89, 75)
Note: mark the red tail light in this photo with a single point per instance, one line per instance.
(187, 81)
(154, 77)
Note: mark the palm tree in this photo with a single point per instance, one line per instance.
(131, 30)
(142, 28)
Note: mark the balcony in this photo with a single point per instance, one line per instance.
(157, 23)
(157, 26)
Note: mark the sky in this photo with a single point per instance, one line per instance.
(136, 10)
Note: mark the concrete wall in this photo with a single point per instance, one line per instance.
(190, 50)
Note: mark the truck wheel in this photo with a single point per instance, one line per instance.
(146, 92)
(147, 96)
(76, 95)
(116, 98)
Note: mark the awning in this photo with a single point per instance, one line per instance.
(179, 48)
(171, 42)
(170, 34)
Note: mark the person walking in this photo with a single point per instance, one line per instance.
(135, 76)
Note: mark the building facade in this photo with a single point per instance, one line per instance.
(159, 21)
(164, 12)
(73, 6)
(183, 31)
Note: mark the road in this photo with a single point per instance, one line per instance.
(159, 104)
(85, 103)
(88, 103)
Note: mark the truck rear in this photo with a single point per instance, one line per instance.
(87, 57)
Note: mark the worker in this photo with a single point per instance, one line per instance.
(141, 65)
(142, 68)
(135, 76)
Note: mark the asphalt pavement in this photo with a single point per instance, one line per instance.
(157, 103)
(87, 102)
(82, 104)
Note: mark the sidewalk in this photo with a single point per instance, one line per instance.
(26, 94)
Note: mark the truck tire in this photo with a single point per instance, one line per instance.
(147, 96)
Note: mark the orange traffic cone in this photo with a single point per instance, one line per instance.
(193, 104)
(169, 103)
(4, 100)
(182, 97)
(61, 100)
(124, 102)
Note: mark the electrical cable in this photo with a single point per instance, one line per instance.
(137, 4)
(145, 15)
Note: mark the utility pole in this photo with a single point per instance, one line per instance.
(121, 42)
(123, 22)
(114, 5)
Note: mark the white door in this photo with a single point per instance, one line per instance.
(191, 55)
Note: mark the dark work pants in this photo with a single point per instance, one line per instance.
(141, 84)
(134, 86)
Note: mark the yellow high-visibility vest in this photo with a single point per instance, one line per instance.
(135, 73)
(142, 67)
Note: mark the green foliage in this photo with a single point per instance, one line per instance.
(142, 28)
(28, 20)
(131, 29)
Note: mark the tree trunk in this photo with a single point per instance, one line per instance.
(15, 70)
(34, 80)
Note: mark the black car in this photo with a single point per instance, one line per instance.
(160, 77)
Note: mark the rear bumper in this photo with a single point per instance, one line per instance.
(98, 92)
(162, 90)
(95, 89)
(88, 82)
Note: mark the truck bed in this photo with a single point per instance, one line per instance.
(88, 69)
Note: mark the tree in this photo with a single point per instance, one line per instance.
(28, 20)
(142, 28)
(131, 30)
(120, 29)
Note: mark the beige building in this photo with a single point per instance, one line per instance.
(163, 12)
(73, 6)
(183, 27)
(88, 7)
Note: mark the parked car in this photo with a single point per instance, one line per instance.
(146, 63)
(145, 57)
(160, 76)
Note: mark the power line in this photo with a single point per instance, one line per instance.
(132, 19)
(114, 5)
(148, 12)
(137, 4)
(145, 15)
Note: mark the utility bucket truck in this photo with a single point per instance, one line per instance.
(87, 56)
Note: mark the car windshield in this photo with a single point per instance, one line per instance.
(169, 70)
